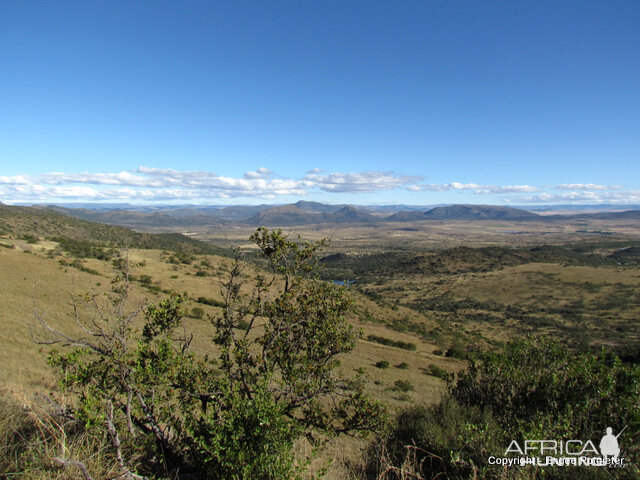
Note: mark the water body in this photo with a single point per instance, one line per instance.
(344, 282)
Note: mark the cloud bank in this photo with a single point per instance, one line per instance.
(148, 184)
(154, 184)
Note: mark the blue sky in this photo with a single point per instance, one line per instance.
(511, 102)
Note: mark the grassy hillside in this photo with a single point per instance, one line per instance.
(41, 272)
(39, 223)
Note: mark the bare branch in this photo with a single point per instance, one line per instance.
(115, 438)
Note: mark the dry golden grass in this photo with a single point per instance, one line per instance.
(33, 279)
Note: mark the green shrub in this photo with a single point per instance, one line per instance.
(438, 372)
(210, 301)
(403, 366)
(382, 364)
(29, 238)
(457, 351)
(85, 248)
(403, 386)
(165, 410)
(532, 389)
(443, 441)
(392, 343)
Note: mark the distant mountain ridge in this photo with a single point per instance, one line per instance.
(133, 218)
(465, 212)
(309, 213)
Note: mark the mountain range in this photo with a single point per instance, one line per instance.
(309, 213)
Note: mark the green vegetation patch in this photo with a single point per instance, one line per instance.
(392, 343)
(531, 389)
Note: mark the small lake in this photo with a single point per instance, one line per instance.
(344, 282)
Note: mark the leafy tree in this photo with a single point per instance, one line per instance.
(165, 409)
(128, 379)
(278, 355)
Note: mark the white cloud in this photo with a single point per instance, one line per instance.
(587, 186)
(578, 197)
(154, 184)
(14, 180)
(259, 173)
(479, 189)
(358, 182)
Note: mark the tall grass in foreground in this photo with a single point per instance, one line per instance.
(37, 444)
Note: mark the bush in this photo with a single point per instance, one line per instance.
(197, 312)
(382, 364)
(165, 410)
(403, 366)
(403, 386)
(539, 382)
(392, 343)
(85, 248)
(437, 442)
(532, 389)
(210, 301)
(457, 351)
(27, 237)
(438, 372)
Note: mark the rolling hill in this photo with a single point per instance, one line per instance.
(301, 214)
(21, 221)
(465, 212)
(135, 218)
